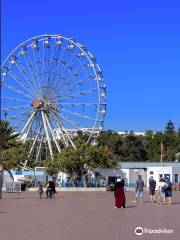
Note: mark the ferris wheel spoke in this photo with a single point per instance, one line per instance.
(78, 83)
(66, 79)
(43, 64)
(82, 93)
(33, 81)
(16, 99)
(78, 70)
(14, 108)
(72, 123)
(63, 77)
(25, 75)
(17, 90)
(77, 114)
(31, 67)
(78, 104)
(51, 63)
(40, 71)
(56, 62)
(18, 115)
(67, 66)
(21, 84)
(37, 72)
(61, 57)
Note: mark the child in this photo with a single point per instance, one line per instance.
(40, 190)
(17, 188)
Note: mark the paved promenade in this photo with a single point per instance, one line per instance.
(84, 216)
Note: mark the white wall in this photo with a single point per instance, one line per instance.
(133, 175)
(175, 171)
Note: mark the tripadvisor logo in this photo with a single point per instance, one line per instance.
(139, 231)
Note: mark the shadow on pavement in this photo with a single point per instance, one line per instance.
(174, 203)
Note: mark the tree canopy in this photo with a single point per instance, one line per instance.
(12, 151)
(110, 148)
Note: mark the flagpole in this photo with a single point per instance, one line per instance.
(161, 158)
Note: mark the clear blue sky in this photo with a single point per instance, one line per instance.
(136, 43)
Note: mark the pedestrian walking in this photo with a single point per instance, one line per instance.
(139, 190)
(168, 190)
(161, 191)
(40, 190)
(53, 186)
(18, 188)
(119, 194)
(49, 191)
(152, 189)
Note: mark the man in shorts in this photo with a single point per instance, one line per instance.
(139, 190)
(162, 191)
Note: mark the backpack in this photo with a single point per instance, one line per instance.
(163, 189)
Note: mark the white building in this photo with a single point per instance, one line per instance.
(130, 171)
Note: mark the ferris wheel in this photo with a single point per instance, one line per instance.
(52, 87)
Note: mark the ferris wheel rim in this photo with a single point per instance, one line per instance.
(95, 66)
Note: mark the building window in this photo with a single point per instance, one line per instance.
(176, 178)
(151, 172)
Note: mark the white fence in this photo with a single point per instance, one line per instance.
(13, 187)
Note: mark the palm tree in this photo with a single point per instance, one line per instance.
(8, 140)
(8, 137)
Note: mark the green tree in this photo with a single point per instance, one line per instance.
(154, 146)
(76, 162)
(12, 151)
(170, 142)
(133, 149)
(52, 167)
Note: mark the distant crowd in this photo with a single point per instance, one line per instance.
(162, 196)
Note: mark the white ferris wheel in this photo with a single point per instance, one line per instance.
(52, 87)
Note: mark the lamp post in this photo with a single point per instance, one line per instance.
(1, 179)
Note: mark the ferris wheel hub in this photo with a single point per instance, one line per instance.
(37, 104)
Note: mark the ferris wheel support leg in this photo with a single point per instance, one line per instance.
(27, 123)
(26, 135)
(32, 147)
(64, 140)
(47, 135)
(67, 134)
(39, 149)
(60, 128)
(59, 137)
(48, 123)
